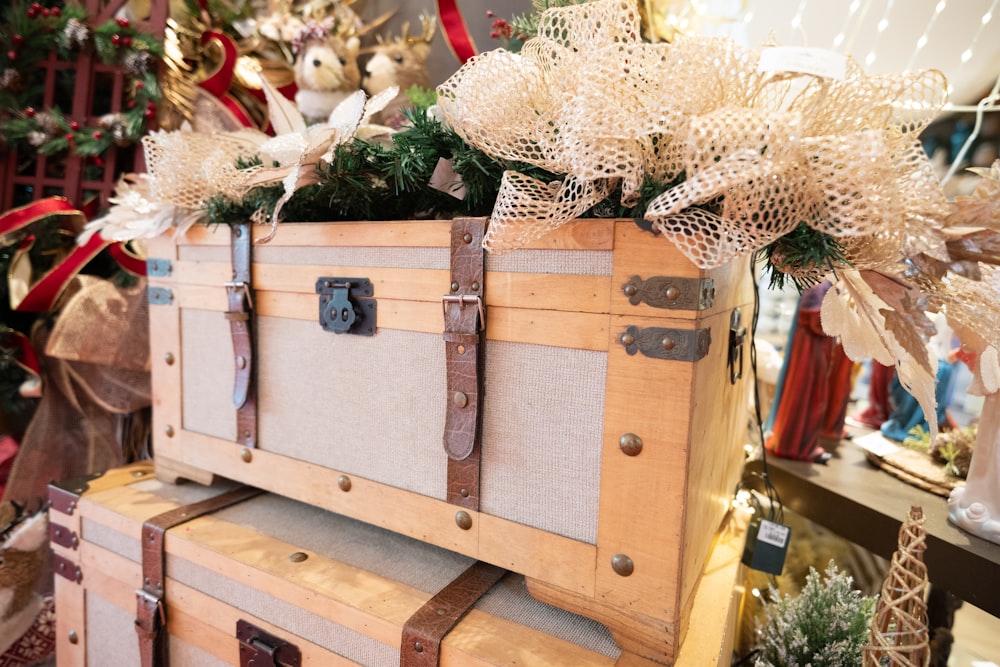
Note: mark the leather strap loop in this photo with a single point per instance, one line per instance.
(463, 326)
(424, 631)
(151, 611)
(239, 294)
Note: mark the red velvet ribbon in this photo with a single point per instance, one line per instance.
(455, 31)
(127, 259)
(24, 354)
(43, 293)
(21, 217)
(218, 82)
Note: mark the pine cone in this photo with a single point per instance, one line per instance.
(138, 63)
(77, 34)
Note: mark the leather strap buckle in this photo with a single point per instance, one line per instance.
(462, 300)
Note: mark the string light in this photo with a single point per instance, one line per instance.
(797, 19)
(922, 41)
(983, 22)
(882, 25)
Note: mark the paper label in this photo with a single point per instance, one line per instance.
(447, 180)
(803, 60)
(877, 444)
(773, 533)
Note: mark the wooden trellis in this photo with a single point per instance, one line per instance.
(95, 89)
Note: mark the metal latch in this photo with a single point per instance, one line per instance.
(737, 334)
(346, 305)
(260, 649)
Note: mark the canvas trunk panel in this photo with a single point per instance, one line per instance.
(596, 377)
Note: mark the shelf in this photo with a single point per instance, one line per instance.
(861, 503)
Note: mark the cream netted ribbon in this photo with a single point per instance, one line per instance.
(751, 154)
(899, 627)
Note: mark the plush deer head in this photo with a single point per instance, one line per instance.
(326, 69)
(400, 62)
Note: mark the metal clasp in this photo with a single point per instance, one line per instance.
(737, 334)
(346, 305)
(461, 300)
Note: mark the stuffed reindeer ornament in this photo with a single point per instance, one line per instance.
(400, 62)
(27, 620)
(326, 69)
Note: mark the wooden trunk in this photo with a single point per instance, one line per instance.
(605, 472)
(340, 595)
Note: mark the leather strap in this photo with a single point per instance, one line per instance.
(463, 327)
(150, 608)
(424, 631)
(239, 293)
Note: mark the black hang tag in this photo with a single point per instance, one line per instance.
(767, 546)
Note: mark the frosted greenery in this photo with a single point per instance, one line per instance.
(825, 626)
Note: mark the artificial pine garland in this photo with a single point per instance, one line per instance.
(28, 34)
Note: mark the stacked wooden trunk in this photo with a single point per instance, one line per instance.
(573, 412)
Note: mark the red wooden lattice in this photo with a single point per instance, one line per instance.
(96, 90)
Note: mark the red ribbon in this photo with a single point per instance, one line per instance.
(23, 216)
(127, 259)
(455, 31)
(24, 354)
(43, 293)
(218, 82)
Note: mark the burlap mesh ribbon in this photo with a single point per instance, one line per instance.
(751, 154)
(95, 380)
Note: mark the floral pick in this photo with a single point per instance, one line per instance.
(299, 148)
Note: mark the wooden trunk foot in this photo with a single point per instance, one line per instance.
(644, 640)
(172, 472)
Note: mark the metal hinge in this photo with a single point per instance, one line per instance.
(64, 567)
(64, 495)
(158, 268)
(670, 344)
(63, 536)
(737, 335)
(671, 292)
(160, 296)
(260, 649)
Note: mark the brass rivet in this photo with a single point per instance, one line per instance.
(241, 361)
(73, 637)
(630, 444)
(672, 293)
(138, 473)
(467, 238)
(463, 520)
(460, 399)
(344, 482)
(460, 349)
(668, 343)
(475, 286)
(74, 542)
(169, 358)
(246, 455)
(169, 430)
(418, 647)
(464, 493)
(622, 565)
(631, 290)
(237, 231)
(628, 339)
(454, 287)
(298, 557)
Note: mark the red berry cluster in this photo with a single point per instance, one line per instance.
(117, 39)
(501, 29)
(36, 10)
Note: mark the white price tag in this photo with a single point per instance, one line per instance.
(773, 533)
(877, 444)
(803, 60)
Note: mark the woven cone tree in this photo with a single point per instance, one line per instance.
(899, 634)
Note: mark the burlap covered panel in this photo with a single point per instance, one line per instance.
(375, 257)
(369, 406)
(207, 374)
(112, 642)
(566, 262)
(542, 432)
